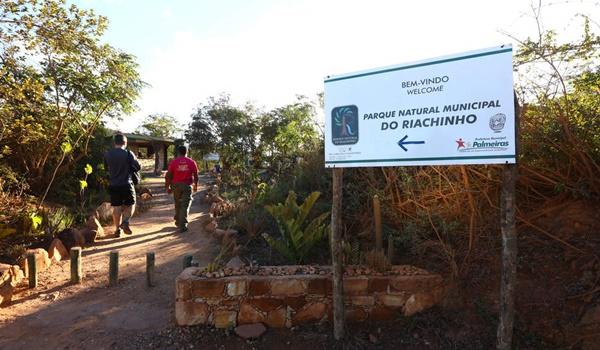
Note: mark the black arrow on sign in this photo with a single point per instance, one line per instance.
(402, 142)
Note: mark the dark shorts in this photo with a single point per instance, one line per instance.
(121, 195)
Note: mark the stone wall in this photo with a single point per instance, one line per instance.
(285, 301)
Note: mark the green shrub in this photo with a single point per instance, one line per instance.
(10, 180)
(297, 238)
(57, 220)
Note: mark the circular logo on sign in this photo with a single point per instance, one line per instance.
(497, 122)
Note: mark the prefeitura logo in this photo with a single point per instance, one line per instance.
(482, 144)
(344, 125)
(497, 122)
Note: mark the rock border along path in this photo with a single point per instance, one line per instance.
(301, 296)
(92, 315)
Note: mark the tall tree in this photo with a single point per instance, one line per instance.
(160, 125)
(230, 131)
(200, 133)
(287, 133)
(57, 83)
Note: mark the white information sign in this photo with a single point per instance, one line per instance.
(451, 110)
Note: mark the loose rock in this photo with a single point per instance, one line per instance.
(235, 262)
(6, 293)
(373, 338)
(89, 235)
(42, 262)
(104, 212)
(71, 238)
(57, 250)
(93, 224)
(145, 190)
(250, 331)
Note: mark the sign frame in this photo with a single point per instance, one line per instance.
(483, 120)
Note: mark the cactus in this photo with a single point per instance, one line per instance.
(377, 261)
(352, 253)
(212, 267)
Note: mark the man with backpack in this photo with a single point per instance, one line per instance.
(122, 167)
(182, 174)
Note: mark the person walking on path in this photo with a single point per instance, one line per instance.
(181, 175)
(120, 163)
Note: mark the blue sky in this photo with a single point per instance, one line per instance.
(267, 51)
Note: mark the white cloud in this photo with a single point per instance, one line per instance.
(289, 49)
(167, 13)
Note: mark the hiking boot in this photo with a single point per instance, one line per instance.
(118, 233)
(126, 229)
(183, 228)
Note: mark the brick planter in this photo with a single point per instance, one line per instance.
(285, 301)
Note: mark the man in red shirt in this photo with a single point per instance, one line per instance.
(182, 174)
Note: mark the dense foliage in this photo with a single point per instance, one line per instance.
(159, 125)
(250, 142)
(298, 236)
(58, 84)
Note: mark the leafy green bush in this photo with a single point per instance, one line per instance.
(57, 220)
(297, 238)
(10, 180)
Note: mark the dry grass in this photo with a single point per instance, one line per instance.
(460, 204)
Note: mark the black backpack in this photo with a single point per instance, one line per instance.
(136, 178)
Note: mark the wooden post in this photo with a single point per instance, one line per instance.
(113, 268)
(336, 256)
(32, 271)
(187, 261)
(509, 248)
(378, 232)
(76, 268)
(509, 258)
(150, 269)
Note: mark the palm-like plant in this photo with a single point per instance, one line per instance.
(297, 238)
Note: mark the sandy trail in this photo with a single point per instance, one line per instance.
(91, 315)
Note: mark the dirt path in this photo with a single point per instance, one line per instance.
(58, 315)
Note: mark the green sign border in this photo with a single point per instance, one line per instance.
(419, 65)
(419, 159)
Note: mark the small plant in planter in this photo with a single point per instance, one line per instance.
(298, 237)
(377, 260)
